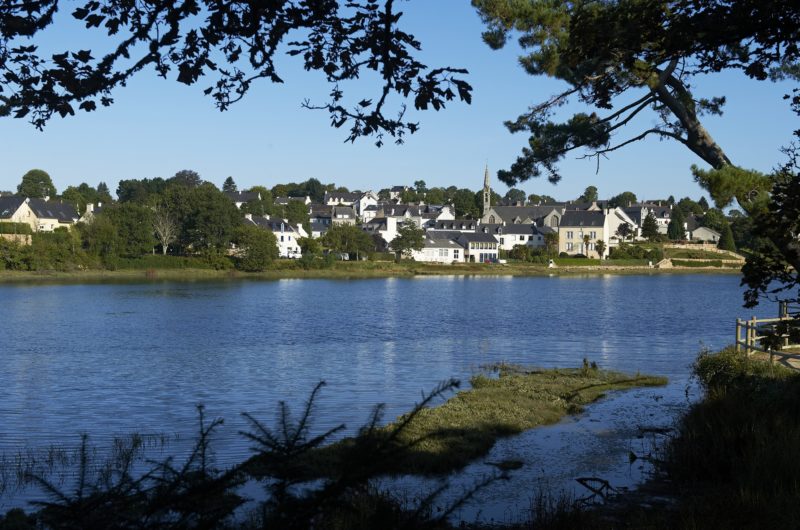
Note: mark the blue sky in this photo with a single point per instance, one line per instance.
(158, 127)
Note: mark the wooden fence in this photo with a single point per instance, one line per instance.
(750, 332)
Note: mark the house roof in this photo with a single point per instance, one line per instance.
(399, 188)
(509, 213)
(437, 242)
(456, 224)
(275, 225)
(9, 206)
(316, 226)
(344, 211)
(583, 218)
(64, 212)
(525, 229)
(477, 237)
(242, 196)
(342, 196)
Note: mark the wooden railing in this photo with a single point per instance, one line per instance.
(750, 332)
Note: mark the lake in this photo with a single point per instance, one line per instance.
(112, 359)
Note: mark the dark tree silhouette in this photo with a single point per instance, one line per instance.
(235, 44)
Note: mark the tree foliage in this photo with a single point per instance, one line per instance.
(229, 186)
(623, 200)
(515, 195)
(589, 194)
(726, 239)
(650, 227)
(234, 44)
(348, 239)
(36, 184)
(409, 237)
(257, 247)
(625, 57)
(676, 230)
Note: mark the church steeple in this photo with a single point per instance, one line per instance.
(487, 191)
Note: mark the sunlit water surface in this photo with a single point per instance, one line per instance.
(113, 359)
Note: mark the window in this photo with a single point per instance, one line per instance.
(502, 240)
(554, 222)
(569, 246)
(522, 238)
(455, 254)
(593, 235)
(281, 239)
(442, 252)
(570, 234)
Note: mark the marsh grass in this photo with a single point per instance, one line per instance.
(447, 437)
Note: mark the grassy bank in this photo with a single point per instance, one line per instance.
(732, 462)
(339, 270)
(445, 438)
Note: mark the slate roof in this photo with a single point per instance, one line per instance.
(342, 196)
(437, 242)
(477, 237)
(511, 229)
(583, 218)
(509, 213)
(316, 226)
(242, 196)
(456, 224)
(64, 212)
(9, 206)
(271, 224)
(344, 212)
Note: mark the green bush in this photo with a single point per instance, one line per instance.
(15, 228)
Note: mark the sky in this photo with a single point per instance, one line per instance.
(157, 127)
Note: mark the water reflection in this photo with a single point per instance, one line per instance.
(113, 359)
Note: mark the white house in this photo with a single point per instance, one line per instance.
(439, 250)
(597, 225)
(285, 234)
(366, 200)
(509, 236)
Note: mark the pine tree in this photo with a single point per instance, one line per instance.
(726, 239)
(229, 186)
(675, 230)
(650, 227)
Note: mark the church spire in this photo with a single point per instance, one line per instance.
(487, 191)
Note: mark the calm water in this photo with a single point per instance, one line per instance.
(121, 358)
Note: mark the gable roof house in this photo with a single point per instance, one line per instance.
(439, 250)
(599, 225)
(703, 233)
(17, 210)
(285, 234)
(53, 214)
(366, 200)
(343, 215)
(509, 236)
(478, 247)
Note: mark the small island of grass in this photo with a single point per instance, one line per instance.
(440, 439)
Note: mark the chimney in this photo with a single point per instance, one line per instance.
(89, 208)
(46, 198)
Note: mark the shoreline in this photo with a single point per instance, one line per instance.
(346, 271)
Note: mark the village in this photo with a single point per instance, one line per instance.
(591, 229)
